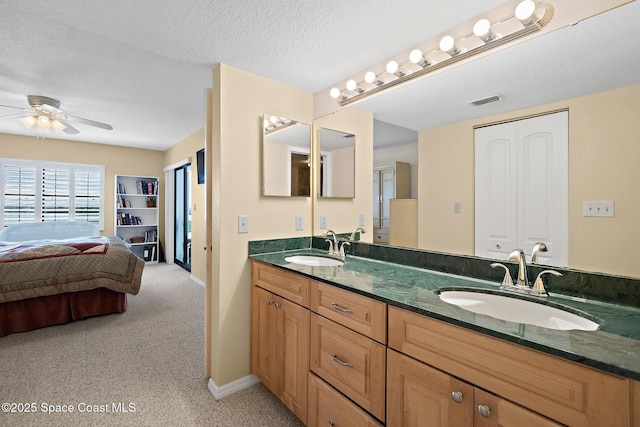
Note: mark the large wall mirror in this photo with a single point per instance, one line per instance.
(603, 94)
(286, 157)
(336, 163)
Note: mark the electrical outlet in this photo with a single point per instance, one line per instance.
(243, 224)
(457, 207)
(323, 222)
(299, 223)
(361, 220)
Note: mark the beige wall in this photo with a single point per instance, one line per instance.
(240, 99)
(188, 147)
(116, 159)
(604, 148)
(342, 214)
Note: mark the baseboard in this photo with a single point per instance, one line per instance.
(195, 279)
(234, 387)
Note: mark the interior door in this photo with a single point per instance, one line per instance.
(522, 188)
(182, 228)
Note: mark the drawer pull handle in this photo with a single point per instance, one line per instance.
(456, 396)
(271, 302)
(278, 305)
(342, 309)
(337, 360)
(484, 410)
(330, 423)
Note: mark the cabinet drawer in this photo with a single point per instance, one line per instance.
(329, 407)
(352, 363)
(357, 312)
(291, 286)
(559, 389)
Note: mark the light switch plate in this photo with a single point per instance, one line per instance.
(243, 224)
(599, 209)
(299, 223)
(457, 207)
(323, 222)
(361, 220)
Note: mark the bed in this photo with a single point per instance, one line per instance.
(53, 273)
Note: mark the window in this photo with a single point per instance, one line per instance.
(48, 191)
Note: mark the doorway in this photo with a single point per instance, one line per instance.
(182, 217)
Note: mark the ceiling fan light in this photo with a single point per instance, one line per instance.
(57, 126)
(28, 121)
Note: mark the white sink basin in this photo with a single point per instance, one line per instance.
(517, 310)
(314, 261)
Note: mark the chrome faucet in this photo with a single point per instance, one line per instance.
(356, 231)
(538, 247)
(333, 248)
(523, 278)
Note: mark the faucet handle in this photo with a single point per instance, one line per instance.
(506, 281)
(538, 285)
(330, 246)
(342, 248)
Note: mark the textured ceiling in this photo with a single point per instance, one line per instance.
(143, 66)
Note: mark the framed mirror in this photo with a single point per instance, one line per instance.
(337, 163)
(286, 157)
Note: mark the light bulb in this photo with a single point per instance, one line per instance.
(335, 93)
(28, 121)
(392, 67)
(43, 121)
(265, 123)
(370, 77)
(448, 44)
(352, 85)
(525, 11)
(58, 126)
(482, 29)
(273, 119)
(415, 56)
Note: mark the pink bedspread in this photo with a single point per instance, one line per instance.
(36, 249)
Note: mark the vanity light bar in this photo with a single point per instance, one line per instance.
(274, 124)
(528, 18)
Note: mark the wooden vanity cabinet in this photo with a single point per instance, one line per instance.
(419, 395)
(280, 338)
(557, 389)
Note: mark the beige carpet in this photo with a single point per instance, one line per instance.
(149, 360)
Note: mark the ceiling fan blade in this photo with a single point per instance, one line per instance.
(13, 116)
(17, 108)
(91, 122)
(68, 129)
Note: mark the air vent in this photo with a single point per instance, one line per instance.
(486, 100)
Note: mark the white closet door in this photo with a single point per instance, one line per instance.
(543, 187)
(495, 195)
(522, 188)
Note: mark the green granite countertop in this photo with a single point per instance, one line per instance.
(614, 347)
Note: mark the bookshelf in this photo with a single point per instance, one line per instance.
(136, 214)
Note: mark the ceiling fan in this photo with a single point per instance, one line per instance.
(45, 113)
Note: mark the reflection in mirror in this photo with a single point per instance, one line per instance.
(598, 97)
(337, 163)
(286, 157)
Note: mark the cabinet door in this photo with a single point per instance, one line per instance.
(492, 411)
(388, 190)
(376, 199)
(419, 395)
(263, 339)
(293, 355)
